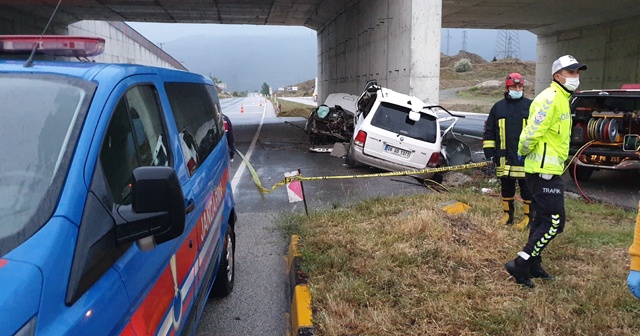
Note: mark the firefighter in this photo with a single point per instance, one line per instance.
(500, 144)
(544, 143)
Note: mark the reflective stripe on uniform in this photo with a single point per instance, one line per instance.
(489, 144)
(548, 236)
(503, 133)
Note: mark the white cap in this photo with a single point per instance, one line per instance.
(567, 62)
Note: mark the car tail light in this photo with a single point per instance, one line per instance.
(56, 45)
(361, 138)
(226, 126)
(191, 166)
(433, 160)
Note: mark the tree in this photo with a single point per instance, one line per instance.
(215, 80)
(265, 89)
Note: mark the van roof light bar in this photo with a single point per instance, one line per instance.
(54, 45)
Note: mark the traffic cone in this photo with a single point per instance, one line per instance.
(261, 103)
(241, 108)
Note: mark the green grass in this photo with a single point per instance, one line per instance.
(401, 266)
(293, 109)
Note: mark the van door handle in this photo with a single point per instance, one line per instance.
(190, 206)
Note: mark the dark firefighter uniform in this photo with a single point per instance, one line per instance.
(500, 143)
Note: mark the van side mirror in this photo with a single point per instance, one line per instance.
(630, 142)
(157, 210)
(414, 115)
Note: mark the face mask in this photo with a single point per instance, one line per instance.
(571, 83)
(515, 94)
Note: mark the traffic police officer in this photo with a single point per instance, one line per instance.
(544, 143)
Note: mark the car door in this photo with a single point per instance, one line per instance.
(198, 120)
(158, 279)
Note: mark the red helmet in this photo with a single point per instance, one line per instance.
(514, 79)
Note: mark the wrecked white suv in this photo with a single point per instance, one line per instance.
(397, 132)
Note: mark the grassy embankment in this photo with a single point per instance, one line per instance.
(401, 266)
(293, 109)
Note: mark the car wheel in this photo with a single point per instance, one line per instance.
(223, 285)
(581, 173)
(349, 160)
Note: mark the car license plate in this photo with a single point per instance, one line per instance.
(397, 151)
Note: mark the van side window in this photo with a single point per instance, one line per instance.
(135, 138)
(195, 115)
(213, 93)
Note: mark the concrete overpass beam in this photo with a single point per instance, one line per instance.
(396, 43)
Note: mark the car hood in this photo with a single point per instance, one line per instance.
(20, 291)
(345, 100)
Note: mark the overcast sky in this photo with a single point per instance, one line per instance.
(283, 43)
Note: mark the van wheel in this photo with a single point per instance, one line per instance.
(581, 174)
(223, 285)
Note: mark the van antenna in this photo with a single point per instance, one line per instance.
(29, 62)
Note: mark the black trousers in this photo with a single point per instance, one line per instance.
(508, 188)
(548, 205)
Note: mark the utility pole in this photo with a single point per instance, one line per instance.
(464, 40)
(161, 44)
(507, 44)
(448, 37)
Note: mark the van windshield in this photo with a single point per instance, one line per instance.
(395, 119)
(38, 118)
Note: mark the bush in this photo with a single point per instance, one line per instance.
(463, 65)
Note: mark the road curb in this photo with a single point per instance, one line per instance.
(301, 323)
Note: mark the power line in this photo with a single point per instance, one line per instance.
(464, 40)
(507, 44)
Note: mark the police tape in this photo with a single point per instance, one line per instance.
(290, 179)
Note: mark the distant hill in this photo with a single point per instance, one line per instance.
(482, 70)
(245, 62)
(305, 89)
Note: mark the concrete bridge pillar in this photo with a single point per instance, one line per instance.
(396, 43)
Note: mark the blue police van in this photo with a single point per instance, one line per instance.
(116, 209)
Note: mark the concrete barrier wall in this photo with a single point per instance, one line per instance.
(123, 44)
(611, 51)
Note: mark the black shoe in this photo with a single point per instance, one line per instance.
(537, 271)
(519, 273)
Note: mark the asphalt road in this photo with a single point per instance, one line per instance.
(258, 303)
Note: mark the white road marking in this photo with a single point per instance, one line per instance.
(243, 166)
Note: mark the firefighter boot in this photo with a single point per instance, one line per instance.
(537, 271)
(508, 208)
(519, 270)
(528, 216)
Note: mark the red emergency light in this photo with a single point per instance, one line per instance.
(630, 86)
(55, 45)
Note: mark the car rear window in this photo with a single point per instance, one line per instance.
(394, 118)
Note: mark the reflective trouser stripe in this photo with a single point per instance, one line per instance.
(548, 236)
